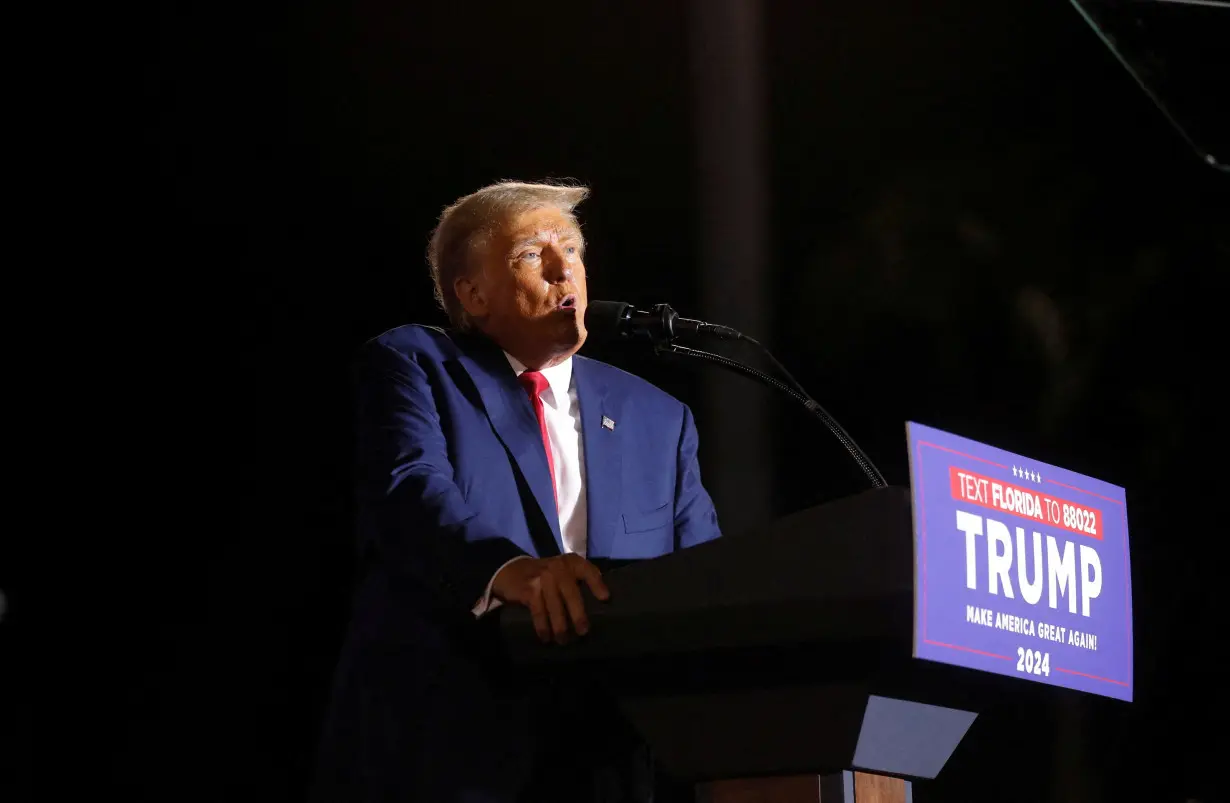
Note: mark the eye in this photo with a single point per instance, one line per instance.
(528, 256)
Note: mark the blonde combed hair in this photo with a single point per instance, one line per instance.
(467, 222)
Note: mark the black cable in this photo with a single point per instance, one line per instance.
(781, 369)
(793, 389)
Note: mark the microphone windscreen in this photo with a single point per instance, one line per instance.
(602, 319)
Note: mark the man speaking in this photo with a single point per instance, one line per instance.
(494, 468)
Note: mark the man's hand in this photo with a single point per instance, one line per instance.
(549, 588)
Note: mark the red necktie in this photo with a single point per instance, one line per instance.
(534, 384)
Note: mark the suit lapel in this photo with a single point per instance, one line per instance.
(512, 418)
(603, 464)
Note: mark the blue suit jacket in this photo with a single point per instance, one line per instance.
(452, 483)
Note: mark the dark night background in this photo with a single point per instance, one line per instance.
(976, 220)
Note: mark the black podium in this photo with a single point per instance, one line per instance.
(775, 665)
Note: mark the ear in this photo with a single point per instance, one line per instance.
(470, 292)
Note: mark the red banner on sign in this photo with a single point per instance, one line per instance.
(1021, 500)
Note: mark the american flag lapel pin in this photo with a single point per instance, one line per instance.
(608, 423)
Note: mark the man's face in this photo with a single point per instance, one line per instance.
(528, 291)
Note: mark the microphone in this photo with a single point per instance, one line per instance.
(617, 320)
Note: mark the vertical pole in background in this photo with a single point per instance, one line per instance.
(1073, 776)
(729, 118)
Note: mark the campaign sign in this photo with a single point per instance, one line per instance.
(1020, 568)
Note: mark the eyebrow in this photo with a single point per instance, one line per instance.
(564, 235)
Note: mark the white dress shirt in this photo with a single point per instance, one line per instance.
(562, 414)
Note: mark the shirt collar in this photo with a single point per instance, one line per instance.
(559, 377)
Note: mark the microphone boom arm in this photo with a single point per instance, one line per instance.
(661, 325)
(793, 390)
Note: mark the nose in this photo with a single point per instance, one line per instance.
(555, 266)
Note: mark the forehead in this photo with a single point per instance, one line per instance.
(540, 222)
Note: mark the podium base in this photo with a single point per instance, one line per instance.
(841, 787)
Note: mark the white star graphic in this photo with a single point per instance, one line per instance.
(1016, 472)
(1037, 477)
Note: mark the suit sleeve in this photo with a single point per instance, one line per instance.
(414, 516)
(695, 517)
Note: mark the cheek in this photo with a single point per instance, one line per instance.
(529, 292)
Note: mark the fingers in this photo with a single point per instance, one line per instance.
(551, 597)
(554, 598)
(571, 594)
(593, 578)
(538, 612)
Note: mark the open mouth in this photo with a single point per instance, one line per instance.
(568, 302)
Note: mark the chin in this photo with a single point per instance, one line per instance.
(571, 333)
